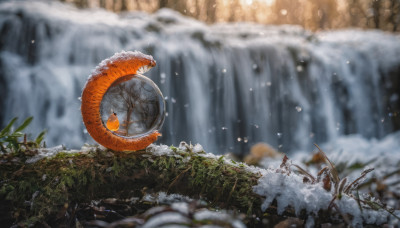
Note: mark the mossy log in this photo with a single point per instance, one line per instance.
(44, 190)
(49, 186)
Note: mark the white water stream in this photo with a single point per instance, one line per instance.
(226, 86)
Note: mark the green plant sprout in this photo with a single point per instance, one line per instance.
(10, 139)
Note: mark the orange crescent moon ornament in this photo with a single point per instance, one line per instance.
(121, 109)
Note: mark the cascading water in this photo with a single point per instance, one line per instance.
(226, 86)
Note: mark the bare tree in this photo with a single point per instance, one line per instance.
(124, 5)
(233, 10)
(321, 14)
(394, 17)
(376, 11)
(211, 10)
(288, 12)
(136, 103)
(162, 3)
(356, 13)
(82, 3)
(102, 4)
(311, 14)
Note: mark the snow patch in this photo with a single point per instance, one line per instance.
(165, 198)
(289, 190)
(205, 214)
(159, 150)
(44, 153)
(198, 148)
(165, 218)
(382, 155)
(182, 207)
(53, 151)
(120, 56)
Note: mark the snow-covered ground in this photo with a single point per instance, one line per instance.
(352, 155)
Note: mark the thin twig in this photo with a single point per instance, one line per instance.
(304, 172)
(178, 177)
(334, 172)
(233, 189)
(363, 174)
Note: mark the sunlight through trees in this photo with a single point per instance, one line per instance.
(310, 14)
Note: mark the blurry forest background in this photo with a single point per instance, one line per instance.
(309, 86)
(248, 89)
(310, 14)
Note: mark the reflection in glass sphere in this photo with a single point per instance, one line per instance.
(133, 106)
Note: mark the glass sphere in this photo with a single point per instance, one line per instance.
(133, 106)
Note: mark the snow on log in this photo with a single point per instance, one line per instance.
(38, 187)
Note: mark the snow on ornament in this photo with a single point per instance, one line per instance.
(121, 109)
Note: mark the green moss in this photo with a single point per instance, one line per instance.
(70, 178)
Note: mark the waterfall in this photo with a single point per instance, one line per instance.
(226, 86)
